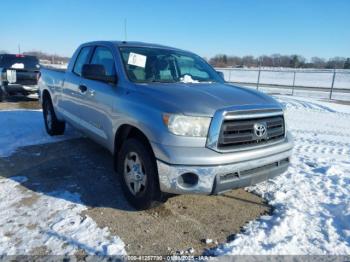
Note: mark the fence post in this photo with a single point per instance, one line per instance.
(331, 92)
(257, 84)
(229, 75)
(293, 83)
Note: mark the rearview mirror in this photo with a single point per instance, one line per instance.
(221, 74)
(98, 73)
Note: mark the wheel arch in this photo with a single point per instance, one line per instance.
(126, 131)
(45, 95)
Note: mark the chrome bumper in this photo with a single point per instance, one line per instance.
(21, 88)
(215, 179)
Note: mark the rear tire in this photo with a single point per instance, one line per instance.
(138, 175)
(53, 126)
(2, 94)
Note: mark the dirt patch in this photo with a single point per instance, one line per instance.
(28, 201)
(20, 102)
(40, 251)
(183, 222)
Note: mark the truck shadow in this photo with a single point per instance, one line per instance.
(20, 102)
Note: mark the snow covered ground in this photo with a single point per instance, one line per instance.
(309, 78)
(24, 128)
(312, 200)
(304, 93)
(30, 221)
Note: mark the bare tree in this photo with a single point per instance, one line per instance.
(49, 57)
(318, 62)
(336, 62)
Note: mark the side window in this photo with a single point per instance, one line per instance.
(103, 56)
(81, 60)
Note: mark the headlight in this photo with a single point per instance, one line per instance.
(283, 106)
(187, 125)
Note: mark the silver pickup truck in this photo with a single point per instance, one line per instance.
(171, 122)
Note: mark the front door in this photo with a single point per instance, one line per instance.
(100, 98)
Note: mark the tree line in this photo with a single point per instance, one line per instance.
(277, 60)
(53, 59)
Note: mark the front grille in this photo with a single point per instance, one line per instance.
(241, 133)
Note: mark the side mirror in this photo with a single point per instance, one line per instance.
(98, 73)
(221, 74)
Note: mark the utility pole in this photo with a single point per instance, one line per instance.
(332, 86)
(19, 49)
(258, 81)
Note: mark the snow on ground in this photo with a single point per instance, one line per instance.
(23, 128)
(312, 200)
(29, 220)
(305, 93)
(311, 78)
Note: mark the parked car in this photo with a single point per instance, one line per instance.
(18, 74)
(171, 122)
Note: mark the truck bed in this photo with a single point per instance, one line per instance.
(53, 77)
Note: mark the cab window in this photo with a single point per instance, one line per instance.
(81, 60)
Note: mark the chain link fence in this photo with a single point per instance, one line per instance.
(332, 84)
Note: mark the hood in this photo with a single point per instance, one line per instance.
(204, 99)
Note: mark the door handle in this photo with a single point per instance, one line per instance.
(82, 88)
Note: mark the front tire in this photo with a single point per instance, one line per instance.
(53, 126)
(138, 175)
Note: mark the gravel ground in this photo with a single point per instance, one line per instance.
(83, 167)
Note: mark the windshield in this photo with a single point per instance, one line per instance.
(146, 65)
(19, 62)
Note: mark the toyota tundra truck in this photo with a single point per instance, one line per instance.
(172, 123)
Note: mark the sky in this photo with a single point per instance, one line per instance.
(206, 27)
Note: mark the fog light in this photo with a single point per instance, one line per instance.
(188, 180)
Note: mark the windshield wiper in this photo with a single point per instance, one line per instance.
(162, 81)
(211, 81)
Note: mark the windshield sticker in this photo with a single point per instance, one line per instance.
(137, 60)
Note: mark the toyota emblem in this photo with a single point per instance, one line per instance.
(260, 130)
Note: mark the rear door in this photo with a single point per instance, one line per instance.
(72, 96)
(100, 97)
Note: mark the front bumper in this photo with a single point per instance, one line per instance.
(221, 177)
